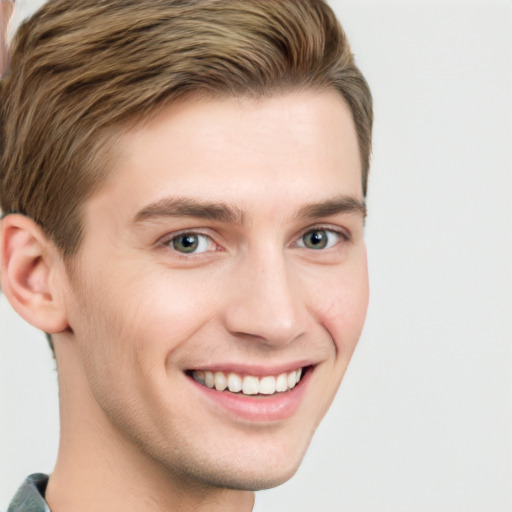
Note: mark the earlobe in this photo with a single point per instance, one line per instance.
(30, 265)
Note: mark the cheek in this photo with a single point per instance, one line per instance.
(344, 308)
(128, 313)
(169, 310)
(149, 320)
(122, 348)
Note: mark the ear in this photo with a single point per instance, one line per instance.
(31, 274)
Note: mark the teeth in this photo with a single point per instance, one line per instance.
(208, 379)
(199, 376)
(234, 383)
(221, 383)
(268, 385)
(281, 383)
(248, 384)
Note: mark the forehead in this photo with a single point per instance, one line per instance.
(238, 150)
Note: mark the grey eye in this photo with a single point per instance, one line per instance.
(319, 239)
(188, 243)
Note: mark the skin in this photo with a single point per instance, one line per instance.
(135, 314)
(6, 12)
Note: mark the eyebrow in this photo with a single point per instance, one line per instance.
(338, 204)
(188, 207)
(221, 212)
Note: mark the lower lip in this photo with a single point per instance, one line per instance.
(261, 408)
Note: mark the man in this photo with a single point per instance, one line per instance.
(183, 189)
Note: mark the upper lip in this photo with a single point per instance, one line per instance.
(253, 369)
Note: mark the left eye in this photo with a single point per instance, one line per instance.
(319, 239)
(191, 243)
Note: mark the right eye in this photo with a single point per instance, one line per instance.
(191, 243)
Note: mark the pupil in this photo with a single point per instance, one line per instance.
(185, 243)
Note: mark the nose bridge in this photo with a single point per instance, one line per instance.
(266, 303)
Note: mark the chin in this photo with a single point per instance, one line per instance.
(244, 472)
(252, 480)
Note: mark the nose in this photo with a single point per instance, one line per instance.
(265, 302)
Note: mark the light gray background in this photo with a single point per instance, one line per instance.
(423, 421)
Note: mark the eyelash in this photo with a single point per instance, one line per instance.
(168, 240)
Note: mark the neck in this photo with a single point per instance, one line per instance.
(70, 488)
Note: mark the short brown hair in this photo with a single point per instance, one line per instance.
(81, 68)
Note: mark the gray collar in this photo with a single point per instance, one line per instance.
(30, 496)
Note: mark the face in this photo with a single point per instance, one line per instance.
(221, 287)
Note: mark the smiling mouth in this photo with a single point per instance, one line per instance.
(249, 385)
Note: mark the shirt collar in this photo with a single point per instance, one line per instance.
(30, 496)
